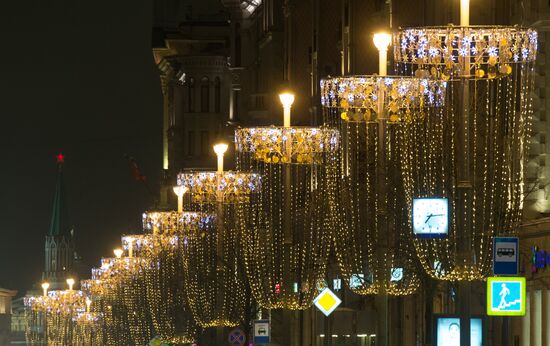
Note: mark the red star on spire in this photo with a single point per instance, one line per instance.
(60, 158)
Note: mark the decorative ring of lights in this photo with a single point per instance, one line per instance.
(456, 51)
(149, 243)
(225, 187)
(95, 287)
(172, 221)
(36, 303)
(86, 318)
(361, 98)
(287, 145)
(118, 268)
(56, 301)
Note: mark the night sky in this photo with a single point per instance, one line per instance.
(76, 77)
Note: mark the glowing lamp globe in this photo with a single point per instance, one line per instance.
(287, 99)
(118, 253)
(220, 148)
(382, 40)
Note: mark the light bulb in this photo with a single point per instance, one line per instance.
(70, 282)
(220, 148)
(180, 190)
(382, 40)
(45, 287)
(287, 99)
(118, 253)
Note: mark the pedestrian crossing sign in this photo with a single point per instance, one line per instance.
(506, 296)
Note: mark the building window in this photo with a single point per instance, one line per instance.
(217, 95)
(204, 143)
(205, 95)
(191, 143)
(236, 101)
(191, 95)
(237, 44)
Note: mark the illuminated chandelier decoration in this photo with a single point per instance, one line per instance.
(62, 305)
(105, 289)
(286, 239)
(212, 263)
(123, 303)
(87, 328)
(373, 244)
(53, 312)
(104, 295)
(172, 222)
(474, 153)
(164, 278)
(132, 288)
(35, 317)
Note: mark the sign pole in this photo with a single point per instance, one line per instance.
(505, 331)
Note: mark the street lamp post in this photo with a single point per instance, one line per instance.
(382, 41)
(220, 150)
(70, 282)
(180, 191)
(45, 287)
(464, 12)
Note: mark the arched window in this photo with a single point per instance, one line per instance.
(205, 95)
(217, 95)
(190, 94)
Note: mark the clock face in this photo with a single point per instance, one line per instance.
(430, 217)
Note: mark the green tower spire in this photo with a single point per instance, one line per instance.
(58, 225)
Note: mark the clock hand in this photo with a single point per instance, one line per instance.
(428, 218)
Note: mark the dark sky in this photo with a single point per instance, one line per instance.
(76, 77)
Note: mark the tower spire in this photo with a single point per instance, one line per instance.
(59, 245)
(58, 225)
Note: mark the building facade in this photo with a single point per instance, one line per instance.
(256, 48)
(5, 315)
(192, 48)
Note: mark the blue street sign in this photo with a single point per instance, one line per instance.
(261, 332)
(505, 256)
(506, 296)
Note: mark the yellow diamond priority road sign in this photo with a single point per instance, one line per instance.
(327, 301)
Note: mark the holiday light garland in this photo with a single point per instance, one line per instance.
(373, 244)
(35, 320)
(212, 265)
(474, 153)
(173, 222)
(285, 234)
(297, 145)
(457, 130)
(54, 312)
(219, 187)
(448, 52)
(164, 283)
(87, 329)
(126, 318)
(361, 98)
